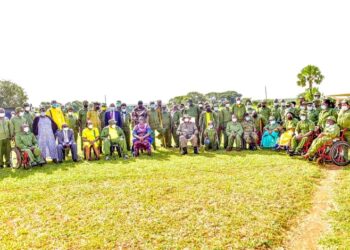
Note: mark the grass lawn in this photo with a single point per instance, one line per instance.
(340, 235)
(238, 200)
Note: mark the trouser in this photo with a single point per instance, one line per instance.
(108, 143)
(5, 150)
(61, 150)
(127, 134)
(251, 138)
(154, 129)
(175, 136)
(87, 150)
(34, 155)
(219, 131)
(317, 144)
(75, 132)
(167, 137)
(184, 141)
(225, 135)
(235, 139)
(297, 145)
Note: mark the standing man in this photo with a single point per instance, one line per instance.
(204, 119)
(276, 111)
(175, 122)
(193, 111)
(126, 122)
(113, 114)
(18, 121)
(239, 110)
(5, 139)
(166, 122)
(82, 120)
(139, 111)
(28, 115)
(72, 122)
(265, 111)
(226, 116)
(153, 122)
(56, 114)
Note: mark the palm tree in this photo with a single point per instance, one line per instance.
(309, 76)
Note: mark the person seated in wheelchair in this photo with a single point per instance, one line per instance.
(211, 139)
(27, 143)
(249, 132)
(113, 136)
(91, 138)
(188, 132)
(66, 140)
(330, 132)
(142, 134)
(304, 129)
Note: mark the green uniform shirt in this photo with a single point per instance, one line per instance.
(166, 119)
(28, 116)
(82, 118)
(304, 127)
(211, 134)
(153, 119)
(175, 120)
(5, 129)
(193, 111)
(289, 124)
(344, 119)
(226, 115)
(234, 128)
(17, 123)
(265, 112)
(239, 111)
(72, 122)
(105, 132)
(312, 115)
(203, 120)
(25, 140)
(276, 113)
(248, 126)
(324, 114)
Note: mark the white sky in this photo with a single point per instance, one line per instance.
(147, 50)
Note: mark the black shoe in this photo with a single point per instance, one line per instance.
(60, 162)
(184, 151)
(195, 150)
(33, 164)
(1, 166)
(54, 161)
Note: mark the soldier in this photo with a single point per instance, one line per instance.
(234, 133)
(193, 111)
(17, 121)
(126, 122)
(312, 114)
(344, 119)
(211, 140)
(154, 122)
(113, 135)
(6, 134)
(204, 119)
(259, 123)
(249, 132)
(82, 120)
(265, 111)
(188, 132)
(103, 112)
(226, 116)
(175, 122)
(28, 115)
(238, 109)
(282, 110)
(276, 111)
(72, 122)
(26, 142)
(166, 123)
(326, 112)
(303, 131)
(249, 107)
(331, 131)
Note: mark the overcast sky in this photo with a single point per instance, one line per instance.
(150, 50)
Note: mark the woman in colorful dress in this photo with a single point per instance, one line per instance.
(142, 137)
(271, 134)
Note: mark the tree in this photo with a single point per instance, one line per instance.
(309, 76)
(12, 95)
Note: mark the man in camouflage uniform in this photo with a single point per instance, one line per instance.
(211, 140)
(193, 111)
(28, 115)
(225, 117)
(265, 111)
(249, 132)
(6, 134)
(166, 122)
(234, 133)
(126, 122)
(72, 122)
(326, 112)
(175, 122)
(188, 132)
(282, 110)
(154, 122)
(312, 114)
(303, 131)
(82, 119)
(18, 120)
(238, 109)
(204, 119)
(276, 111)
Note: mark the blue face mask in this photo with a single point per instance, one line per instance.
(55, 105)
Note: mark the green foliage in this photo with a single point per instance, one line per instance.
(212, 97)
(309, 95)
(309, 76)
(11, 95)
(245, 200)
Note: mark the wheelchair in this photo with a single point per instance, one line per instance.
(19, 159)
(335, 151)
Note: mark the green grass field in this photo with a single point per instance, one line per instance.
(214, 200)
(340, 235)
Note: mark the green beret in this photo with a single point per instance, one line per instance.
(331, 118)
(18, 109)
(111, 122)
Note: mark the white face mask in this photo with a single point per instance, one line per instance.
(238, 102)
(65, 129)
(302, 118)
(2, 115)
(70, 113)
(26, 129)
(200, 105)
(27, 108)
(276, 104)
(249, 106)
(323, 107)
(113, 126)
(211, 126)
(21, 114)
(227, 105)
(345, 108)
(234, 119)
(90, 126)
(216, 108)
(309, 108)
(328, 125)
(123, 110)
(272, 122)
(302, 108)
(247, 118)
(42, 113)
(187, 120)
(283, 104)
(37, 114)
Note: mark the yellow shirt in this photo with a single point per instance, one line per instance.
(207, 118)
(57, 116)
(90, 134)
(113, 133)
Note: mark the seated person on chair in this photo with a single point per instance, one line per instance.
(66, 140)
(142, 134)
(188, 132)
(211, 140)
(234, 131)
(249, 132)
(303, 131)
(26, 142)
(331, 131)
(91, 138)
(112, 135)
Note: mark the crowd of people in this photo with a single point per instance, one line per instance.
(53, 132)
